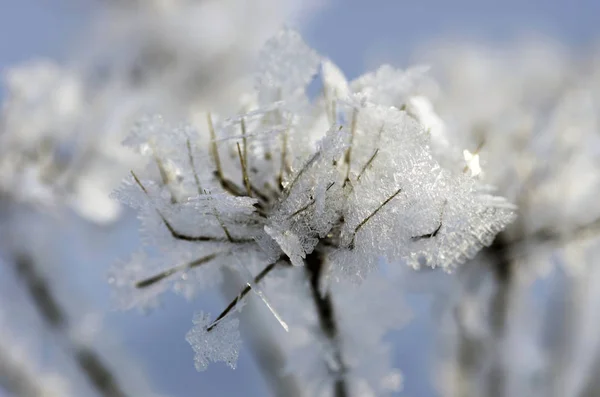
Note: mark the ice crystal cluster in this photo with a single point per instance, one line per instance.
(305, 197)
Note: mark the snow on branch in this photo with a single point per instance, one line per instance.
(349, 179)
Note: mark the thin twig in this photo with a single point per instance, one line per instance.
(263, 273)
(314, 266)
(371, 215)
(244, 172)
(213, 146)
(348, 156)
(90, 363)
(437, 229)
(164, 176)
(244, 142)
(311, 202)
(181, 236)
(306, 166)
(284, 166)
(176, 269)
(191, 159)
(364, 168)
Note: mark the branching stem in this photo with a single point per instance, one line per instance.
(147, 282)
(181, 236)
(263, 273)
(314, 266)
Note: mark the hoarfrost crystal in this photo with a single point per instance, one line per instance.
(221, 344)
(306, 197)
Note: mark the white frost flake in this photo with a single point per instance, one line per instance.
(222, 343)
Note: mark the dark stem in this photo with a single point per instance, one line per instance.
(364, 168)
(260, 337)
(433, 233)
(96, 372)
(225, 183)
(181, 236)
(284, 164)
(175, 269)
(310, 203)
(193, 166)
(244, 171)
(371, 215)
(348, 155)
(263, 273)
(314, 266)
(307, 165)
(550, 235)
(503, 270)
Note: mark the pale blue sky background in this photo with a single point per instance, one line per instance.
(354, 34)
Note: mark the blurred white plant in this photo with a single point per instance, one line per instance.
(50, 159)
(21, 371)
(47, 157)
(529, 115)
(303, 197)
(61, 129)
(62, 126)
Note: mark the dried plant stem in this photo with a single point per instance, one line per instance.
(245, 291)
(348, 155)
(213, 146)
(372, 214)
(364, 168)
(503, 270)
(284, 166)
(266, 352)
(314, 267)
(175, 269)
(89, 362)
(193, 167)
(181, 236)
(260, 337)
(244, 171)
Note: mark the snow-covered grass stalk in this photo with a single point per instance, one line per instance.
(305, 198)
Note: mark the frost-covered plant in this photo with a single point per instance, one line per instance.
(536, 136)
(61, 128)
(47, 161)
(50, 151)
(304, 197)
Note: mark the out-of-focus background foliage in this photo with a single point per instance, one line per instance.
(357, 35)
